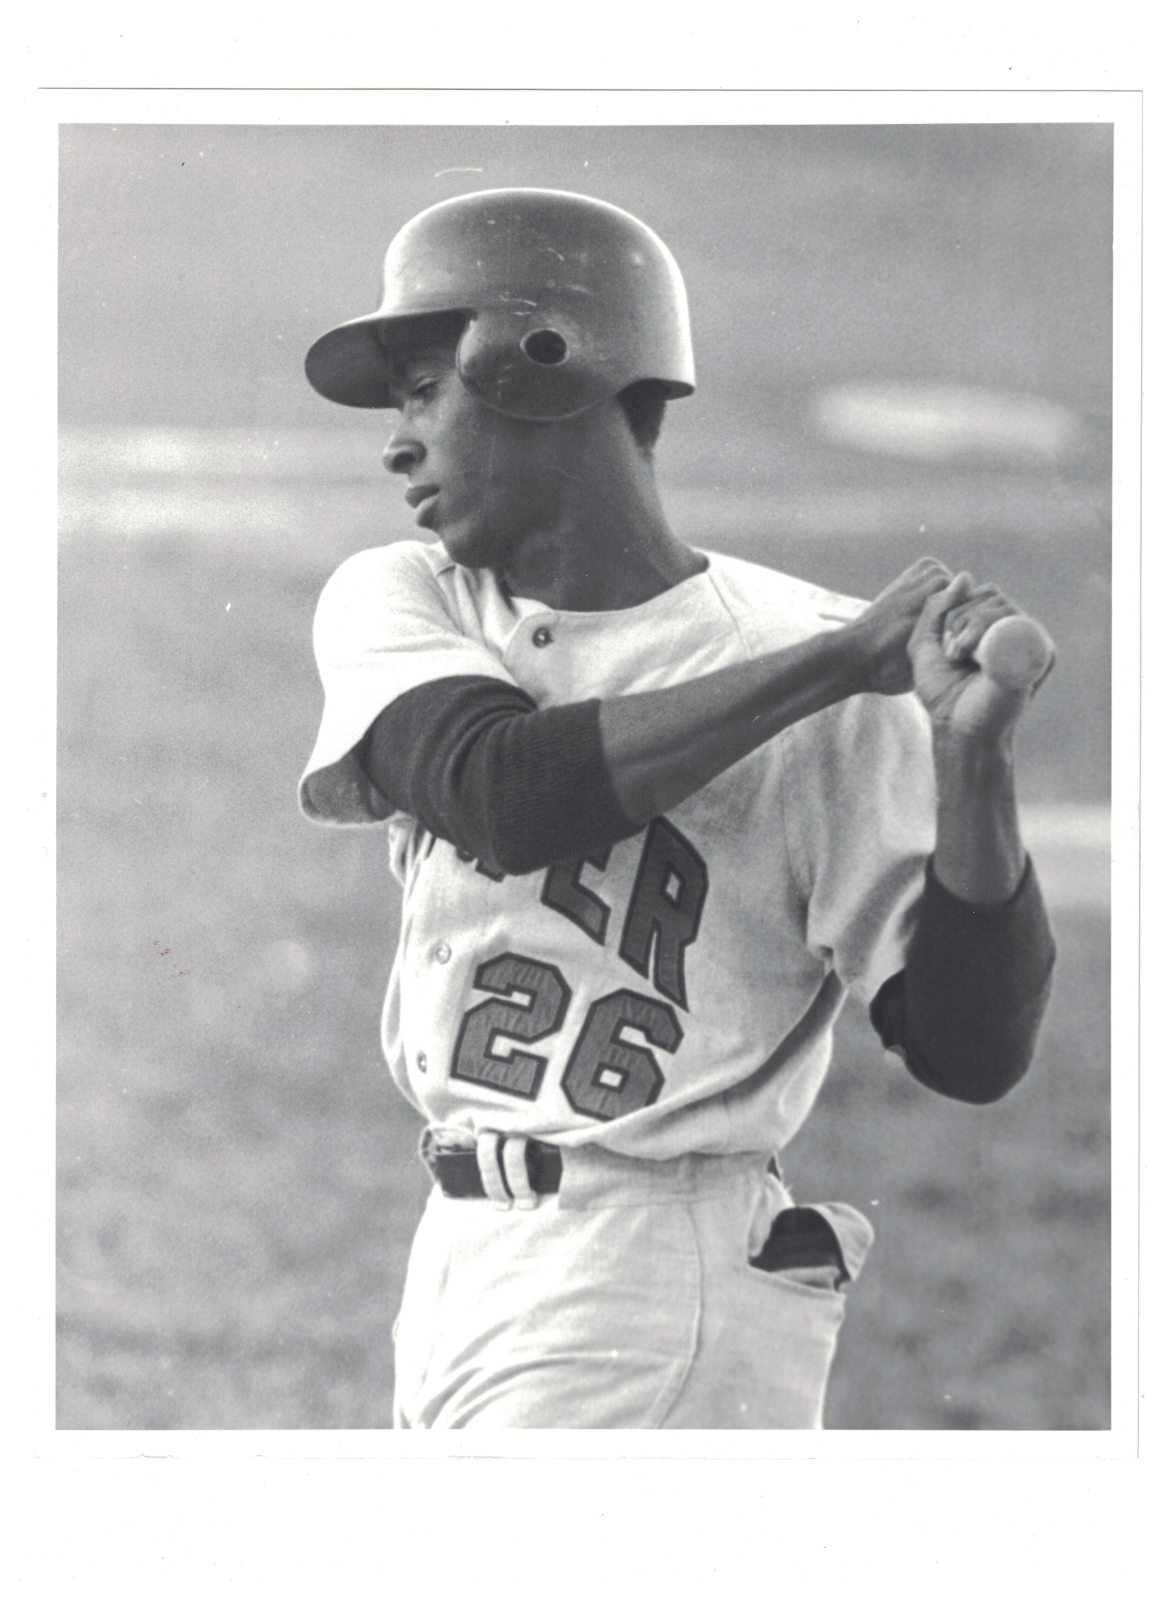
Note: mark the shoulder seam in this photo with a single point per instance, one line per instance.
(745, 637)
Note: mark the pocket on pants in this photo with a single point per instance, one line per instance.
(821, 1246)
(767, 1338)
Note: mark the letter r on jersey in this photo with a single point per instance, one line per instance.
(665, 907)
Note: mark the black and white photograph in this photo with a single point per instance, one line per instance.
(584, 753)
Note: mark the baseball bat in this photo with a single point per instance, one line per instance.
(1016, 652)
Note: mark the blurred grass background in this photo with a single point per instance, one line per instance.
(238, 1184)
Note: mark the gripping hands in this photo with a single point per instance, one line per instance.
(973, 658)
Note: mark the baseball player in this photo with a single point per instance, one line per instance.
(656, 812)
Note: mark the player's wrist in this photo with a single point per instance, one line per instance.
(858, 661)
(972, 760)
(972, 753)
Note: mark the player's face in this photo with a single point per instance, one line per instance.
(482, 482)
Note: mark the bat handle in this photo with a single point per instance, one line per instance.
(1016, 652)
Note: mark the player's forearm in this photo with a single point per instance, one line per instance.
(664, 745)
(979, 854)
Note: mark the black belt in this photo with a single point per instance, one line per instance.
(459, 1176)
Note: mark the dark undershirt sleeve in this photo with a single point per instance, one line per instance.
(478, 764)
(966, 1009)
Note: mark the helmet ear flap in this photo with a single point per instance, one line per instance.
(531, 362)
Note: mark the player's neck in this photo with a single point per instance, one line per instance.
(611, 549)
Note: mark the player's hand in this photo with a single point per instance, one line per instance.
(957, 694)
(884, 629)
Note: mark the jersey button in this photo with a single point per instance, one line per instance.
(542, 637)
(422, 1061)
(442, 953)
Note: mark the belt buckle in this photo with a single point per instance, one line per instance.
(439, 1141)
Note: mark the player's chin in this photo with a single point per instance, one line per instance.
(467, 545)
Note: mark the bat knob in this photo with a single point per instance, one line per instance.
(1016, 652)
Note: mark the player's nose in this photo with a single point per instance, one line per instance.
(402, 453)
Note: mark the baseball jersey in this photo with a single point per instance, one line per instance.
(673, 992)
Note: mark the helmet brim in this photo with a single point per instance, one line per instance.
(352, 363)
(349, 364)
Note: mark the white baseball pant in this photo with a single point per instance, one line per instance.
(627, 1300)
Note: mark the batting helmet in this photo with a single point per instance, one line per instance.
(566, 301)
